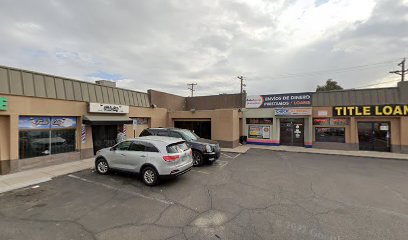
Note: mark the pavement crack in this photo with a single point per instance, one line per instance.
(92, 234)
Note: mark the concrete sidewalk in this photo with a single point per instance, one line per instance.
(386, 155)
(34, 176)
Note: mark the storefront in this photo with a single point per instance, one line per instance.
(280, 119)
(47, 119)
(377, 126)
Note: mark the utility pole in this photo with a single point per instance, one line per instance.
(402, 71)
(242, 91)
(242, 83)
(191, 88)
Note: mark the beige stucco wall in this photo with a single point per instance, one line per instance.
(224, 123)
(33, 106)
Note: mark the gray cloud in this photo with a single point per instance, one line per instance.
(166, 44)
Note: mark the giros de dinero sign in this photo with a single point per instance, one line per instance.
(376, 110)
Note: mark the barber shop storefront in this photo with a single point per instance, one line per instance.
(280, 119)
(107, 122)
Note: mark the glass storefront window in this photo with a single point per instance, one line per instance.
(43, 135)
(34, 143)
(62, 141)
(259, 120)
(331, 121)
(259, 132)
(321, 121)
(323, 134)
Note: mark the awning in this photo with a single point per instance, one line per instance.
(106, 120)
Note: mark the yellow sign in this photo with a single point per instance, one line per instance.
(382, 110)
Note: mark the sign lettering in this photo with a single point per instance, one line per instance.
(108, 108)
(367, 111)
(279, 100)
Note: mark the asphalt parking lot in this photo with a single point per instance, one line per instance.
(257, 195)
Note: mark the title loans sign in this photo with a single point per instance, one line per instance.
(279, 100)
(382, 110)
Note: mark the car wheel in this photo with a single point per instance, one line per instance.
(198, 158)
(150, 176)
(102, 166)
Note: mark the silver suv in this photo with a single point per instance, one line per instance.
(153, 157)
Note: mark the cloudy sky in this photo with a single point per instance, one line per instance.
(279, 45)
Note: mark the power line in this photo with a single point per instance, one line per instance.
(375, 84)
(337, 70)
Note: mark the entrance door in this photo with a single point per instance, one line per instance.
(103, 136)
(201, 128)
(374, 136)
(292, 131)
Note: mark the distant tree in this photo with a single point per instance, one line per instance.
(329, 86)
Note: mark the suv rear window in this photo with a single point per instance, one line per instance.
(177, 147)
(145, 133)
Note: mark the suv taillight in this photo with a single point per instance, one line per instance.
(171, 158)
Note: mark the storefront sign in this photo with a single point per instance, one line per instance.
(107, 108)
(382, 110)
(3, 104)
(293, 111)
(134, 124)
(260, 132)
(279, 100)
(27, 122)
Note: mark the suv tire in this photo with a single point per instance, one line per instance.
(198, 158)
(102, 166)
(150, 177)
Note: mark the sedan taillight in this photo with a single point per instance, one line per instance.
(171, 158)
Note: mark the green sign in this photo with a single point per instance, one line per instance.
(3, 104)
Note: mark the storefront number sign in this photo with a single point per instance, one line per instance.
(279, 100)
(381, 110)
(260, 132)
(31, 122)
(3, 104)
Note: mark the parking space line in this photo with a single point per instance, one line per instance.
(200, 171)
(228, 156)
(222, 164)
(120, 190)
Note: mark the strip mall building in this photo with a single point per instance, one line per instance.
(46, 119)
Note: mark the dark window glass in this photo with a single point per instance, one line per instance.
(323, 134)
(34, 143)
(62, 141)
(259, 120)
(124, 146)
(321, 121)
(331, 121)
(175, 134)
(150, 147)
(339, 121)
(177, 147)
(162, 133)
(136, 146)
(145, 133)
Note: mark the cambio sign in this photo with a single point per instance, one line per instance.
(108, 108)
(279, 100)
